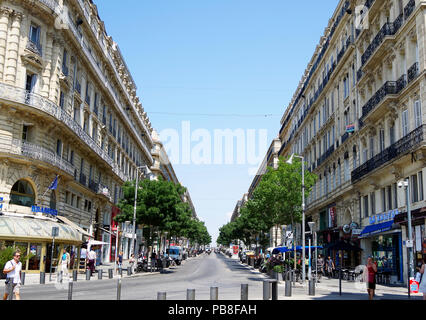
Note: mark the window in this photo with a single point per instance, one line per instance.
(366, 214)
(389, 190)
(383, 199)
(53, 200)
(31, 82)
(371, 147)
(373, 203)
(346, 169)
(345, 87)
(35, 34)
(59, 147)
(72, 157)
(67, 197)
(417, 114)
(62, 100)
(64, 63)
(395, 195)
(392, 134)
(22, 194)
(25, 131)
(404, 123)
(339, 176)
(72, 199)
(78, 203)
(421, 194)
(414, 189)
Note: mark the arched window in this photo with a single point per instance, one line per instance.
(53, 200)
(22, 194)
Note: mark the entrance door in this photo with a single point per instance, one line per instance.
(48, 256)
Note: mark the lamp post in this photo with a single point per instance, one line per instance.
(290, 161)
(311, 227)
(116, 249)
(410, 271)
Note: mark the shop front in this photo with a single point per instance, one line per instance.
(33, 236)
(382, 240)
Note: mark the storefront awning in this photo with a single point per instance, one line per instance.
(33, 229)
(376, 228)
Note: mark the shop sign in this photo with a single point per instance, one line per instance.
(382, 217)
(52, 212)
(332, 217)
(356, 231)
(1, 203)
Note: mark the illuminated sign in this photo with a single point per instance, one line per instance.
(52, 212)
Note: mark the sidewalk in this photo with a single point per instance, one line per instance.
(34, 279)
(328, 289)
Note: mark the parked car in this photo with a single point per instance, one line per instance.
(175, 253)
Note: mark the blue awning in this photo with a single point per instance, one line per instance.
(298, 248)
(376, 228)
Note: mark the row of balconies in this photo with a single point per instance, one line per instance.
(399, 148)
(36, 101)
(388, 29)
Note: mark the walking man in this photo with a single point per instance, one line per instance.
(13, 280)
(91, 257)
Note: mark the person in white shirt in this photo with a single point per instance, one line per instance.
(65, 261)
(91, 257)
(13, 281)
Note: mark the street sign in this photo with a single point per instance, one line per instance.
(55, 231)
(356, 231)
(409, 243)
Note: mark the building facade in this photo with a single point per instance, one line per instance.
(358, 118)
(68, 112)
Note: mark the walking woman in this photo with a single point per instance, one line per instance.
(369, 273)
(422, 286)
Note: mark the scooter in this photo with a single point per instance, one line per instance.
(142, 265)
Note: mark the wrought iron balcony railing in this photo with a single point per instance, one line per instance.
(401, 147)
(390, 87)
(82, 179)
(413, 72)
(35, 48)
(37, 152)
(78, 87)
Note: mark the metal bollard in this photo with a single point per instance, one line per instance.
(340, 281)
(70, 285)
(288, 287)
(100, 274)
(190, 294)
(129, 271)
(22, 278)
(274, 289)
(244, 291)
(311, 287)
(60, 276)
(88, 274)
(252, 262)
(42, 277)
(214, 293)
(266, 289)
(119, 289)
(74, 275)
(161, 296)
(111, 273)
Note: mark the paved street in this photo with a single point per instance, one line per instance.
(201, 273)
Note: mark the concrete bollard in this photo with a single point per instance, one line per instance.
(22, 278)
(274, 289)
(287, 287)
(311, 287)
(161, 296)
(100, 274)
(74, 275)
(42, 277)
(88, 274)
(244, 291)
(60, 276)
(190, 294)
(70, 287)
(129, 271)
(266, 289)
(110, 273)
(119, 289)
(214, 293)
(252, 262)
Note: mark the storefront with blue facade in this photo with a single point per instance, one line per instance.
(382, 239)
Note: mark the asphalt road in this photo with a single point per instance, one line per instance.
(198, 273)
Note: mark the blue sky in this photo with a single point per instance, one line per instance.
(203, 60)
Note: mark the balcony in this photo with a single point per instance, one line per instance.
(413, 72)
(34, 48)
(409, 8)
(345, 137)
(386, 30)
(93, 186)
(401, 147)
(65, 70)
(390, 87)
(78, 87)
(82, 179)
(39, 153)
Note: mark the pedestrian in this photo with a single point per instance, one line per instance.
(369, 275)
(65, 261)
(119, 261)
(132, 262)
(422, 286)
(320, 266)
(91, 258)
(330, 267)
(13, 279)
(153, 259)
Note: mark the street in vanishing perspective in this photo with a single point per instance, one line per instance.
(202, 151)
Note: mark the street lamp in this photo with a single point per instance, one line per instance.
(290, 161)
(311, 227)
(410, 271)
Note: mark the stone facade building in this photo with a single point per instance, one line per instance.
(358, 117)
(68, 110)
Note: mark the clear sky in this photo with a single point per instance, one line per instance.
(212, 63)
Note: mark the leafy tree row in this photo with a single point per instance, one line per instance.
(160, 207)
(276, 201)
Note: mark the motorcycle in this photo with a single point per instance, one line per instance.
(142, 264)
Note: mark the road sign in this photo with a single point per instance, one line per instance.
(55, 231)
